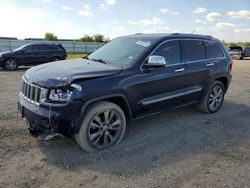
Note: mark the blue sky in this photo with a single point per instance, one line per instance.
(227, 20)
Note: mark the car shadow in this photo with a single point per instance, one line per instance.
(158, 140)
(19, 69)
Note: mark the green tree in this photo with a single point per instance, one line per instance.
(99, 38)
(50, 37)
(86, 38)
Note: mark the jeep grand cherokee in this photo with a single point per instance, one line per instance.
(128, 78)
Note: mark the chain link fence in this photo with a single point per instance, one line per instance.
(70, 46)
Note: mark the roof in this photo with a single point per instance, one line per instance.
(166, 35)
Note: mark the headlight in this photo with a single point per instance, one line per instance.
(60, 96)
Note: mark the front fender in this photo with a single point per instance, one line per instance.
(93, 100)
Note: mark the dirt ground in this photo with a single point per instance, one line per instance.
(181, 148)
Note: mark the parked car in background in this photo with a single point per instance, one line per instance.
(246, 52)
(32, 54)
(236, 52)
(126, 79)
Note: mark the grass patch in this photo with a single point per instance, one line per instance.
(74, 56)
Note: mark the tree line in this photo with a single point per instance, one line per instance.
(85, 38)
(243, 44)
(102, 38)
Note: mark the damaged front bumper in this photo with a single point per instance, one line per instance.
(48, 118)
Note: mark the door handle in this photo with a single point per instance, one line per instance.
(210, 64)
(179, 70)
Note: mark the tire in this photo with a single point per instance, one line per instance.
(212, 101)
(10, 64)
(55, 59)
(96, 133)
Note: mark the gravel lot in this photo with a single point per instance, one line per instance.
(181, 148)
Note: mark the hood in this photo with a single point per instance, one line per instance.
(5, 52)
(63, 73)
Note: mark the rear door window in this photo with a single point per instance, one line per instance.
(194, 50)
(171, 51)
(213, 50)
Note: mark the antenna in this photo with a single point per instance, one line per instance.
(193, 30)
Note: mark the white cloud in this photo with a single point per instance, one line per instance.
(239, 14)
(47, 1)
(200, 21)
(159, 29)
(175, 13)
(148, 14)
(153, 21)
(66, 8)
(110, 2)
(86, 11)
(86, 7)
(132, 22)
(199, 10)
(103, 6)
(105, 24)
(246, 30)
(224, 25)
(164, 10)
(148, 22)
(212, 16)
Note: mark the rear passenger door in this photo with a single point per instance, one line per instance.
(200, 62)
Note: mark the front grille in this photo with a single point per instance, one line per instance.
(31, 92)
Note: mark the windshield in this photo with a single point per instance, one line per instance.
(121, 51)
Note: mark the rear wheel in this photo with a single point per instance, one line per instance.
(56, 58)
(213, 98)
(104, 125)
(10, 64)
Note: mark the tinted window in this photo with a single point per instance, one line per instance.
(32, 48)
(171, 51)
(213, 50)
(49, 47)
(193, 50)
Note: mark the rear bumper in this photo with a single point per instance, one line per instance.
(60, 119)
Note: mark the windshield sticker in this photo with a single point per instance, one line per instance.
(144, 43)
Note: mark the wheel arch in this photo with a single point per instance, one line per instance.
(224, 80)
(118, 99)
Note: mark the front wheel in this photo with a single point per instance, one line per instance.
(213, 99)
(104, 125)
(10, 64)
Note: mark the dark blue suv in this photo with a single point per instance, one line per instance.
(130, 77)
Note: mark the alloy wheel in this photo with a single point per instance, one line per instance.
(11, 64)
(215, 98)
(104, 128)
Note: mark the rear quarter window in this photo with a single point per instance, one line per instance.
(194, 50)
(213, 50)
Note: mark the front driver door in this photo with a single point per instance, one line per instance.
(157, 88)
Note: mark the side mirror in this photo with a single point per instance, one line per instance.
(155, 61)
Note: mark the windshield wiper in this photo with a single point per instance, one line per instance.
(101, 61)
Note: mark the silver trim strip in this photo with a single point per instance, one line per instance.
(171, 96)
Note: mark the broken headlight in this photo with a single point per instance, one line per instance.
(60, 96)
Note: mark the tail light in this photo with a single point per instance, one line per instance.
(230, 67)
